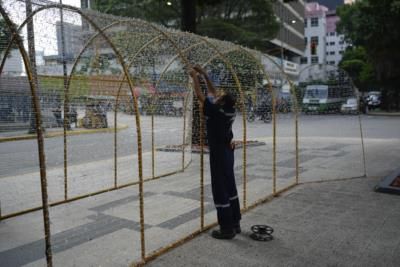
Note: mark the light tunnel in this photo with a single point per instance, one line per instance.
(115, 111)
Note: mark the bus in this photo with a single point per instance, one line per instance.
(324, 98)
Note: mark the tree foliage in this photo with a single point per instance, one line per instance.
(374, 25)
(249, 23)
(356, 63)
(5, 35)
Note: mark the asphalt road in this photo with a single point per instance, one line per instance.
(20, 157)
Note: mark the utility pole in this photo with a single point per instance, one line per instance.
(67, 123)
(32, 59)
(188, 15)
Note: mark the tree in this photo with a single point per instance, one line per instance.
(355, 62)
(248, 23)
(5, 35)
(374, 26)
(244, 22)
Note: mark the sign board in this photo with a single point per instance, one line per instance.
(291, 68)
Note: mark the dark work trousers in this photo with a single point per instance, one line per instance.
(223, 185)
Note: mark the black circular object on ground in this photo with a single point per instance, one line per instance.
(262, 232)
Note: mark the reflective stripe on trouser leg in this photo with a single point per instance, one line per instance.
(231, 185)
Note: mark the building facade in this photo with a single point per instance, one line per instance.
(335, 43)
(291, 33)
(73, 39)
(315, 34)
(324, 46)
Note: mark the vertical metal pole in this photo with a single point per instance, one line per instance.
(201, 167)
(32, 59)
(66, 108)
(152, 125)
(274, 97)
(184, 132)
(116, 141)
(32, 76)
(152, 146)
(296, 131)
(273, 140)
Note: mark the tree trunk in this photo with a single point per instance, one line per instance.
(188, 20)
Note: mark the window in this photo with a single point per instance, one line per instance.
(331, 62)
(314, 22)
(304, 60)
(332, 53)
(327, 53)
(305, 40)
(314, 39)
(332, 43)
(341, 42)
(341, 52)
(314, 60)
(332, 33)
(305, 23)
(327, 44)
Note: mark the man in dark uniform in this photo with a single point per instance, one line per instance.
(220, 115)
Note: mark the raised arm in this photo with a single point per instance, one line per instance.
(210, 85)
(193, 73)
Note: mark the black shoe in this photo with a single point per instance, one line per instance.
(219, 234)
(237, 229)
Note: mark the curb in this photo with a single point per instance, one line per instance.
(388, 114)
(61, 133)
(197, 150)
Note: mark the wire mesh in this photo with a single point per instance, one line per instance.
(117, 109)
(329, 98)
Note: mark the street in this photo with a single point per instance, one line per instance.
(21, 157)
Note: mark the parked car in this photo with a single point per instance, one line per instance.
(373, 99)
(350, 106)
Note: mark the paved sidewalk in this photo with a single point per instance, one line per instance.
(104, 230)
(342, 223)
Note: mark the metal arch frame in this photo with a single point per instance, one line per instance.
(89, 42)
(70, 199)
(294, 99)
(117, 104)
(130, 83)
(47, 7)
(238, 48)
(39, 132)
(201, 131)
(359, 115)
(120, 59)
(166, 67)
(66, 88)
(273, 118)
(203, 228)
(93, 193)
(125, 70)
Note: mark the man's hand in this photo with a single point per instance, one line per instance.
(200, 70)
(233, 145)
(193, 73)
